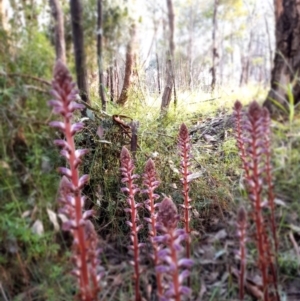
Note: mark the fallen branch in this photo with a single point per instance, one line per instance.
(41, 80)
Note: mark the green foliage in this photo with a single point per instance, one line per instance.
(29, 181)
(288, 106)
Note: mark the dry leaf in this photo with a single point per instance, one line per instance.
(37, 228)
(218, 236)
(202, 290)
(280, 202)
(26, 213)
(53, 219)
(194, 176)
(4, 165)
(100, 131)
(295, 228)
(62, 217)
(209, 138)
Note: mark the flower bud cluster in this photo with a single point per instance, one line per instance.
(85, 250)
(171, 262)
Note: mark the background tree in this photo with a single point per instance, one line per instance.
(100, 55)
(128, 66)
(79, 51)
(286, 62)
(58, 16)
(215, 54)
(166, 97)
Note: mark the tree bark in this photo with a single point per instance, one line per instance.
(166, 97)
(128, 67)
(112, 89)
(287, 59)
(269, 43)
(100, 55)
(246, 62)
(116, 79)
(190, 58)
(3, 17)
(158, 73)
(78, 42)
(214, 50)
(59, 29)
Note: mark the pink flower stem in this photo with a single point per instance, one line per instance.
(85, 240)
(271, 196)
(127, 168)
(79, 232)
(134, 234)
(175, 273)
(184, 145)
(242, 228)
(151, 183)
(155, 245)
(259, 221)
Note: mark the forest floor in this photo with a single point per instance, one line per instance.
(34, 253)
(217, 193)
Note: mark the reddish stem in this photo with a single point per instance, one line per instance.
(78, 231)
(155, 245)
(134, 234)
(127, 168)
(239, 138)
(242, 228)
(175, 272)
(271, 196)
(256, 191)
(186, 204)
(185, 154)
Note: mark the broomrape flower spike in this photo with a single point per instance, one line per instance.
(271, 196)
(151, 184)
(254, 150)
(171, 263)
(127, 168)
(84, 250)
(184, 147)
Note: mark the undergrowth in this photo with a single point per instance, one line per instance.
(36, 259)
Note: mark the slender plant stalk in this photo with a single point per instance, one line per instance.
(242, 228)
(172, 264)
(131, 189)
(239, 119)
(252, 136)
(271, 195)
(184, 146)
(85, 250)
(151, 183)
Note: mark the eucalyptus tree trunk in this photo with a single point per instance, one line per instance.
(158, 73)
(214, 48)
(3, 16)
(59, 29)
(100, 55)
(286, 68)
(128, 67)
(246, 62)
(116, 79)
(78, 42)
(190, 59)
(269, 43)
(166, 97)
(111, 79)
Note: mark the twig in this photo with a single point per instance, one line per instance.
(295, 245)
(3, 292)
(41, 80)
